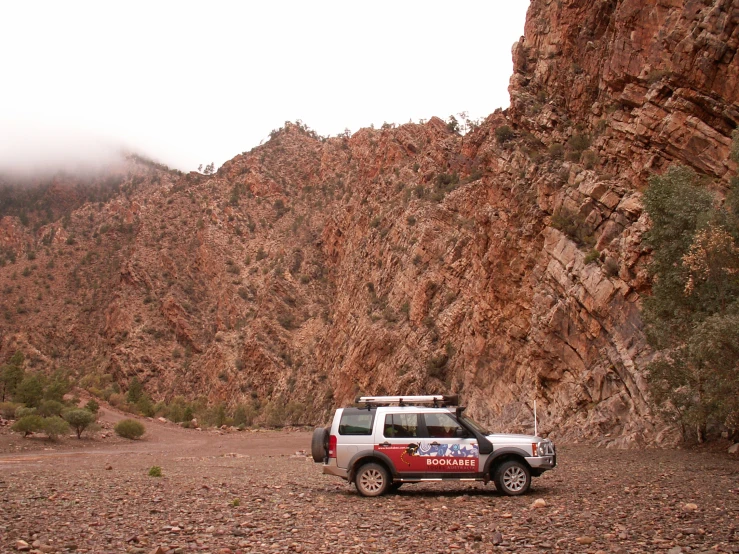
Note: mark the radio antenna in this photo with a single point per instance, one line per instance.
(536, 430)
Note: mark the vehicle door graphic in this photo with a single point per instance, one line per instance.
(449, 447)
(400, 442)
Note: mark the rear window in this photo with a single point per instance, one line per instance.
(356, 423)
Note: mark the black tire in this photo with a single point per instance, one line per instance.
(512, 478)
(319, 444)
(372, 480)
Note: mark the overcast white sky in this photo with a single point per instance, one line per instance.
(194, 82)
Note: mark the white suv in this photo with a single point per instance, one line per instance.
(391, 440)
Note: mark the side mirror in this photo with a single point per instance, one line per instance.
(461, 433)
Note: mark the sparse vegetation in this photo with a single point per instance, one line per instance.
(129, 429)
(55, 426)
(79, 420)
(592, 256)
(574, 226)
(692, 316)
(504, 134)
(155, 471)
(28, 424)
(556, 151)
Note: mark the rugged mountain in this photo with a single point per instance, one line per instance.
(505, 264)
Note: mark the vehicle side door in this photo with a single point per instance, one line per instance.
(399, 439)
(448, 448)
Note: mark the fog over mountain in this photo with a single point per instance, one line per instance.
(32, 150)
(186, 84)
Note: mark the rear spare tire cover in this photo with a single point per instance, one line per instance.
(319, 444)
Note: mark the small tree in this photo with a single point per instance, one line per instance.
(79, 420)
(503, 134)
(49, 408)
(28, 424)
(7, 410)
(145, 406)
(135, 390)
(57, 388)
(30, 391)
(92, 406)
(452, 125)
(11, 376)
(692, 316)
(55, 426)
(129, 429)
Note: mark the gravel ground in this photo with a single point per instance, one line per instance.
(249, 492)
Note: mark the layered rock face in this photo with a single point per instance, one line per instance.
(505, 264)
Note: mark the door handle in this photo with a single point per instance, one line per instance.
(384, 444)
(434, 443)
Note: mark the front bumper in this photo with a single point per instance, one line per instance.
(542, 462)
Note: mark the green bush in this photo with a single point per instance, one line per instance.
(57, 387)
(28, 424)
(245, 414)
(556, 151)
(21, 411)
(275, 413)
(144, 406)
(129, 429)
(574, 226)
(11, 376)
(592, 256)
(692, 316)
(589, 159)
(30, 391)
(503, 134)
(7, 410)
(135, 390)
(92, 406)
(49, 408)
(55, 426)
(578, 143)
(79, 420)
(155, 471)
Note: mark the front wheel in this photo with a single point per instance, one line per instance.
(372, 480)
(512, 478)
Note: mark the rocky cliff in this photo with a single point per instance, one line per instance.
(504, 264)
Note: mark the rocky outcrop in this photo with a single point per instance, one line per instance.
(506, 265)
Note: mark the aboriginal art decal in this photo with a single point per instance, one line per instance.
(425, 457)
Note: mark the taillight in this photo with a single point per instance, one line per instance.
(332, 446)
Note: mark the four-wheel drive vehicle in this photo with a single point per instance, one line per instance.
(391, 440)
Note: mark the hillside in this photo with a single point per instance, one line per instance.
(410, 258)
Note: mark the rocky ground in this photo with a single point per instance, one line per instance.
(250, 492)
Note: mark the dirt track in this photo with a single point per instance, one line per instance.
(247, 492)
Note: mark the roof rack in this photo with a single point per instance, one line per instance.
(437, 400)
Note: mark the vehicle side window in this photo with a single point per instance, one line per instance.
(356, 424)
(401, 426)
(442, 426)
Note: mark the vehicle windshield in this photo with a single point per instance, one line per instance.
(476, 426)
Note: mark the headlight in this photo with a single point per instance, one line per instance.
(546, 448)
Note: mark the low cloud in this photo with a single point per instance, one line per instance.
(34, 151)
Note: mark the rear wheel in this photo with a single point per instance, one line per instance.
(512, 478)
(319, 444)
(372, 480)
